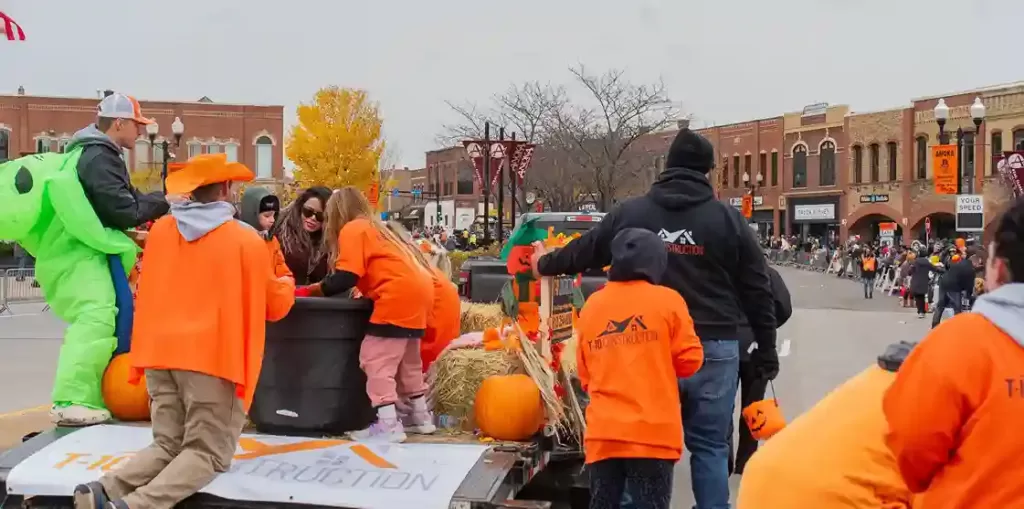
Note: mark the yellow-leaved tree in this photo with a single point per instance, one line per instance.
(337, 141)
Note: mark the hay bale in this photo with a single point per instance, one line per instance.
(477, 317)
(458, 373)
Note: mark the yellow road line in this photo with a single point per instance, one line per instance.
(24, 411)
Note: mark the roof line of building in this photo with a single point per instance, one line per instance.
(970, 91)
(33, 96)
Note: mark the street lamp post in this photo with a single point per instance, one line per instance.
(941, 116)
(177, 129)
(978, 115)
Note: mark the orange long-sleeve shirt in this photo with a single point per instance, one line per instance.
(443, 319)
(953, 415)
(277, 259)
(203, 305)
(636, 341)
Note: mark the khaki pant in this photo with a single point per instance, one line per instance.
(196, 420)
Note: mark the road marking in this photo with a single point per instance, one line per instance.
(19, 315)
(24, 411)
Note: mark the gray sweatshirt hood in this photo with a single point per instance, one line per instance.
(1004, 307)
(91, 135)
(197, 219)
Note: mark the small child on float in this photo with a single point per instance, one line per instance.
(365, 254)
(444, 317)
(260, 209)
(636, 339)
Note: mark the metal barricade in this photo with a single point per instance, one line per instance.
(19, 286)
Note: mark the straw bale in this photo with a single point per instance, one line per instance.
(478, 317)
(457, 376)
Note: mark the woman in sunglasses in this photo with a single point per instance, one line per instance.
(300, 232)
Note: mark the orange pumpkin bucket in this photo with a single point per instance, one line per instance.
(764, 418)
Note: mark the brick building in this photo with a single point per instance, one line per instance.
(249, 134)
(748, 161)
(814, 167)
(880, 170)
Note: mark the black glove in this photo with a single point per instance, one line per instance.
(766, 362)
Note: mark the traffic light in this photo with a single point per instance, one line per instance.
(438, 217)
(416, 193)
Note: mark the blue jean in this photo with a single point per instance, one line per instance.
(708, 399)
(869, 286)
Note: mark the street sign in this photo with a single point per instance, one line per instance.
(394, 192)
(970, 213)
(944, 168)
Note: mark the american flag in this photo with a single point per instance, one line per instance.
(11, 28)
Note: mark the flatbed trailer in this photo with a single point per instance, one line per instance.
(507, 475)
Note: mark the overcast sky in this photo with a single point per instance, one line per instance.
(724, 60)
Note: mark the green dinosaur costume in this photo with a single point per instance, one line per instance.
(44, 208)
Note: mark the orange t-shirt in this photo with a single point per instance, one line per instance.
(277, 259)
(952, 413)
(443, 320)
(401, 290)
(203, 306)
(636, 341)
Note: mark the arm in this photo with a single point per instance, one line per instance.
(926, 407)
(280, 294)
(351, 265)
(687, 352)
(592, 250)
(277, 260)
(754, 285)
(117, 203)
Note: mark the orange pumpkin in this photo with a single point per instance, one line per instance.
(764, 418)
(508, 407)
(126, 401)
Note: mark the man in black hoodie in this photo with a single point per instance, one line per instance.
(957, 280)
(716, 264)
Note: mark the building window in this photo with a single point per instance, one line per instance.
(858, 164)
(194, 149)
(231, 149)
(264, 157)
(873, 150)
(891, 148)
(762, 164)
(62, 144)
(725, 172)
(736, 171)
(141, 154)
(466, 177)
(827, 164)
(747, 159)
(43, 145)
(922, 157)
(800, 166)
(5, 140)
(997, 149)
(775, 168)
(1018, 138)
(214, 148)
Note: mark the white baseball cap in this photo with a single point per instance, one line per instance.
(118, 105)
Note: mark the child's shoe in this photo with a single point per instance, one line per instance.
(78, 415)
(387, 428)
(419, 419)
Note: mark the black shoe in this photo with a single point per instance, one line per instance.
(90, 496)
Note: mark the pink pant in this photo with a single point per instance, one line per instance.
(392, 366)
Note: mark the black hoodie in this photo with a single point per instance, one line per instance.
(714, 260)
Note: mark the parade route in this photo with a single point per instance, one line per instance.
(834, 333)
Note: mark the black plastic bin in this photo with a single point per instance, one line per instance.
(311, 383)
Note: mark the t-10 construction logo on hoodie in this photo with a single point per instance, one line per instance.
(631, 331)
(681, 242)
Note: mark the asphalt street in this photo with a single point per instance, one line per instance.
(834, 333)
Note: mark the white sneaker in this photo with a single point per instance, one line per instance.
(78, 415)
(387, 428)
(419, 419)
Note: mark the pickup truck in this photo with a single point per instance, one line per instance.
(482, 278)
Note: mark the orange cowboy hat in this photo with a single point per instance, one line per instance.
(204, 170)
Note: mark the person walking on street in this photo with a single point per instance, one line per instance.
(715, 263)
(868, 264)
(957, 281)
(920, 282)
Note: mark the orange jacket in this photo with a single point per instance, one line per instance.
(636, 341)
(277, 259)
(954, 407)
(203, 303)
(443, 320)
(832, 456)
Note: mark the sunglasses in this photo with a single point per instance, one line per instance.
(310, 213)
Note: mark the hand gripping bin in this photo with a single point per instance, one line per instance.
(311, 382)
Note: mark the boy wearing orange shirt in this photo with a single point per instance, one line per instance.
(636, 341)
(953, 408)
(202, 354)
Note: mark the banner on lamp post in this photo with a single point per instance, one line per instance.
(476, 155)
(521, 158)
(1010, 167)
(944, 168)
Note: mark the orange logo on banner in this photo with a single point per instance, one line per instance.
(944, 168)
(886, 227)
(747, 207)
(374, 193)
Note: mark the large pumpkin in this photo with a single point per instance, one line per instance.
(126, 401)
(508, 407)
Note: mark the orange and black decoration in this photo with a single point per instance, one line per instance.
(747, 207)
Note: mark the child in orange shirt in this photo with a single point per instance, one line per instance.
(366, 255)
(260, 209)
(636, 340)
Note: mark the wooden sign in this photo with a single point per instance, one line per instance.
(944, 168)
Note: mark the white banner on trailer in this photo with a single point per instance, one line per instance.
(270, 468)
